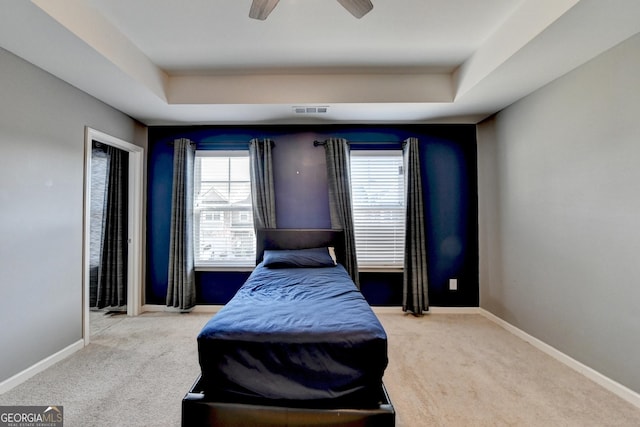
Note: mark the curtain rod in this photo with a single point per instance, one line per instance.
(273, 144)
(317, 143)
(172, 143)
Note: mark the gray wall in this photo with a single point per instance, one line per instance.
(559, 195)
(42, 125)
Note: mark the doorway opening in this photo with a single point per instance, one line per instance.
(108, 239)
(112, 229)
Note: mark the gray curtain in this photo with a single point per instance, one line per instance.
(339, 177)
(415, 283)
(262, 190)
(181, 291)
(111, 288)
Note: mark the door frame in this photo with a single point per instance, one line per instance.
(134, 219)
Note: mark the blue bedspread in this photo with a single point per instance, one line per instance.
(294, 335)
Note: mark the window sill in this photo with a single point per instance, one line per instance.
(220, 268)
(380, 269)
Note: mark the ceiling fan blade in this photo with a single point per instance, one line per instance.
(260, 9)
(357, 8)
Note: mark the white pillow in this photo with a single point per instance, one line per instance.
(332, 254)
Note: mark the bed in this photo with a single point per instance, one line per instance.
(297, 345)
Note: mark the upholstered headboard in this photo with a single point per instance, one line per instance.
(290, 238)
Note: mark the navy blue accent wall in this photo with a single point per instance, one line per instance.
(159, 176)
(449, 162)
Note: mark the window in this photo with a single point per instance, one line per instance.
(223, 219)
(377, 190)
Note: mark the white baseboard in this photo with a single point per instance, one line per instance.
(158, 308)
(40, 366)
(595, 376)
(387, 310)
(432, 310)
(165, 309)
(378, 309)
(454, 310)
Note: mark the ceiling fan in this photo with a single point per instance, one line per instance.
(260, 9)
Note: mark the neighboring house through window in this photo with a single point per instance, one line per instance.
(223, 220)
(377, 190)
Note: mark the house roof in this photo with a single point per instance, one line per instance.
(207, 62)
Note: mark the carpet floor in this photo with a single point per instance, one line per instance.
(444, 370)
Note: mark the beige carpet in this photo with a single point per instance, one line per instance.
(444, 370)
(464, 370)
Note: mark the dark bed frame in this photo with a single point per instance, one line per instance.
(200, 410)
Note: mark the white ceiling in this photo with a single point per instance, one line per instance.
(206, 62)
(201, 36)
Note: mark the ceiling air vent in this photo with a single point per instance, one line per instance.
(311, 110)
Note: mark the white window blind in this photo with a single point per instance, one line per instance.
(377, 190)
(223, 218)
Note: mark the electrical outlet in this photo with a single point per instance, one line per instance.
(453, 284)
